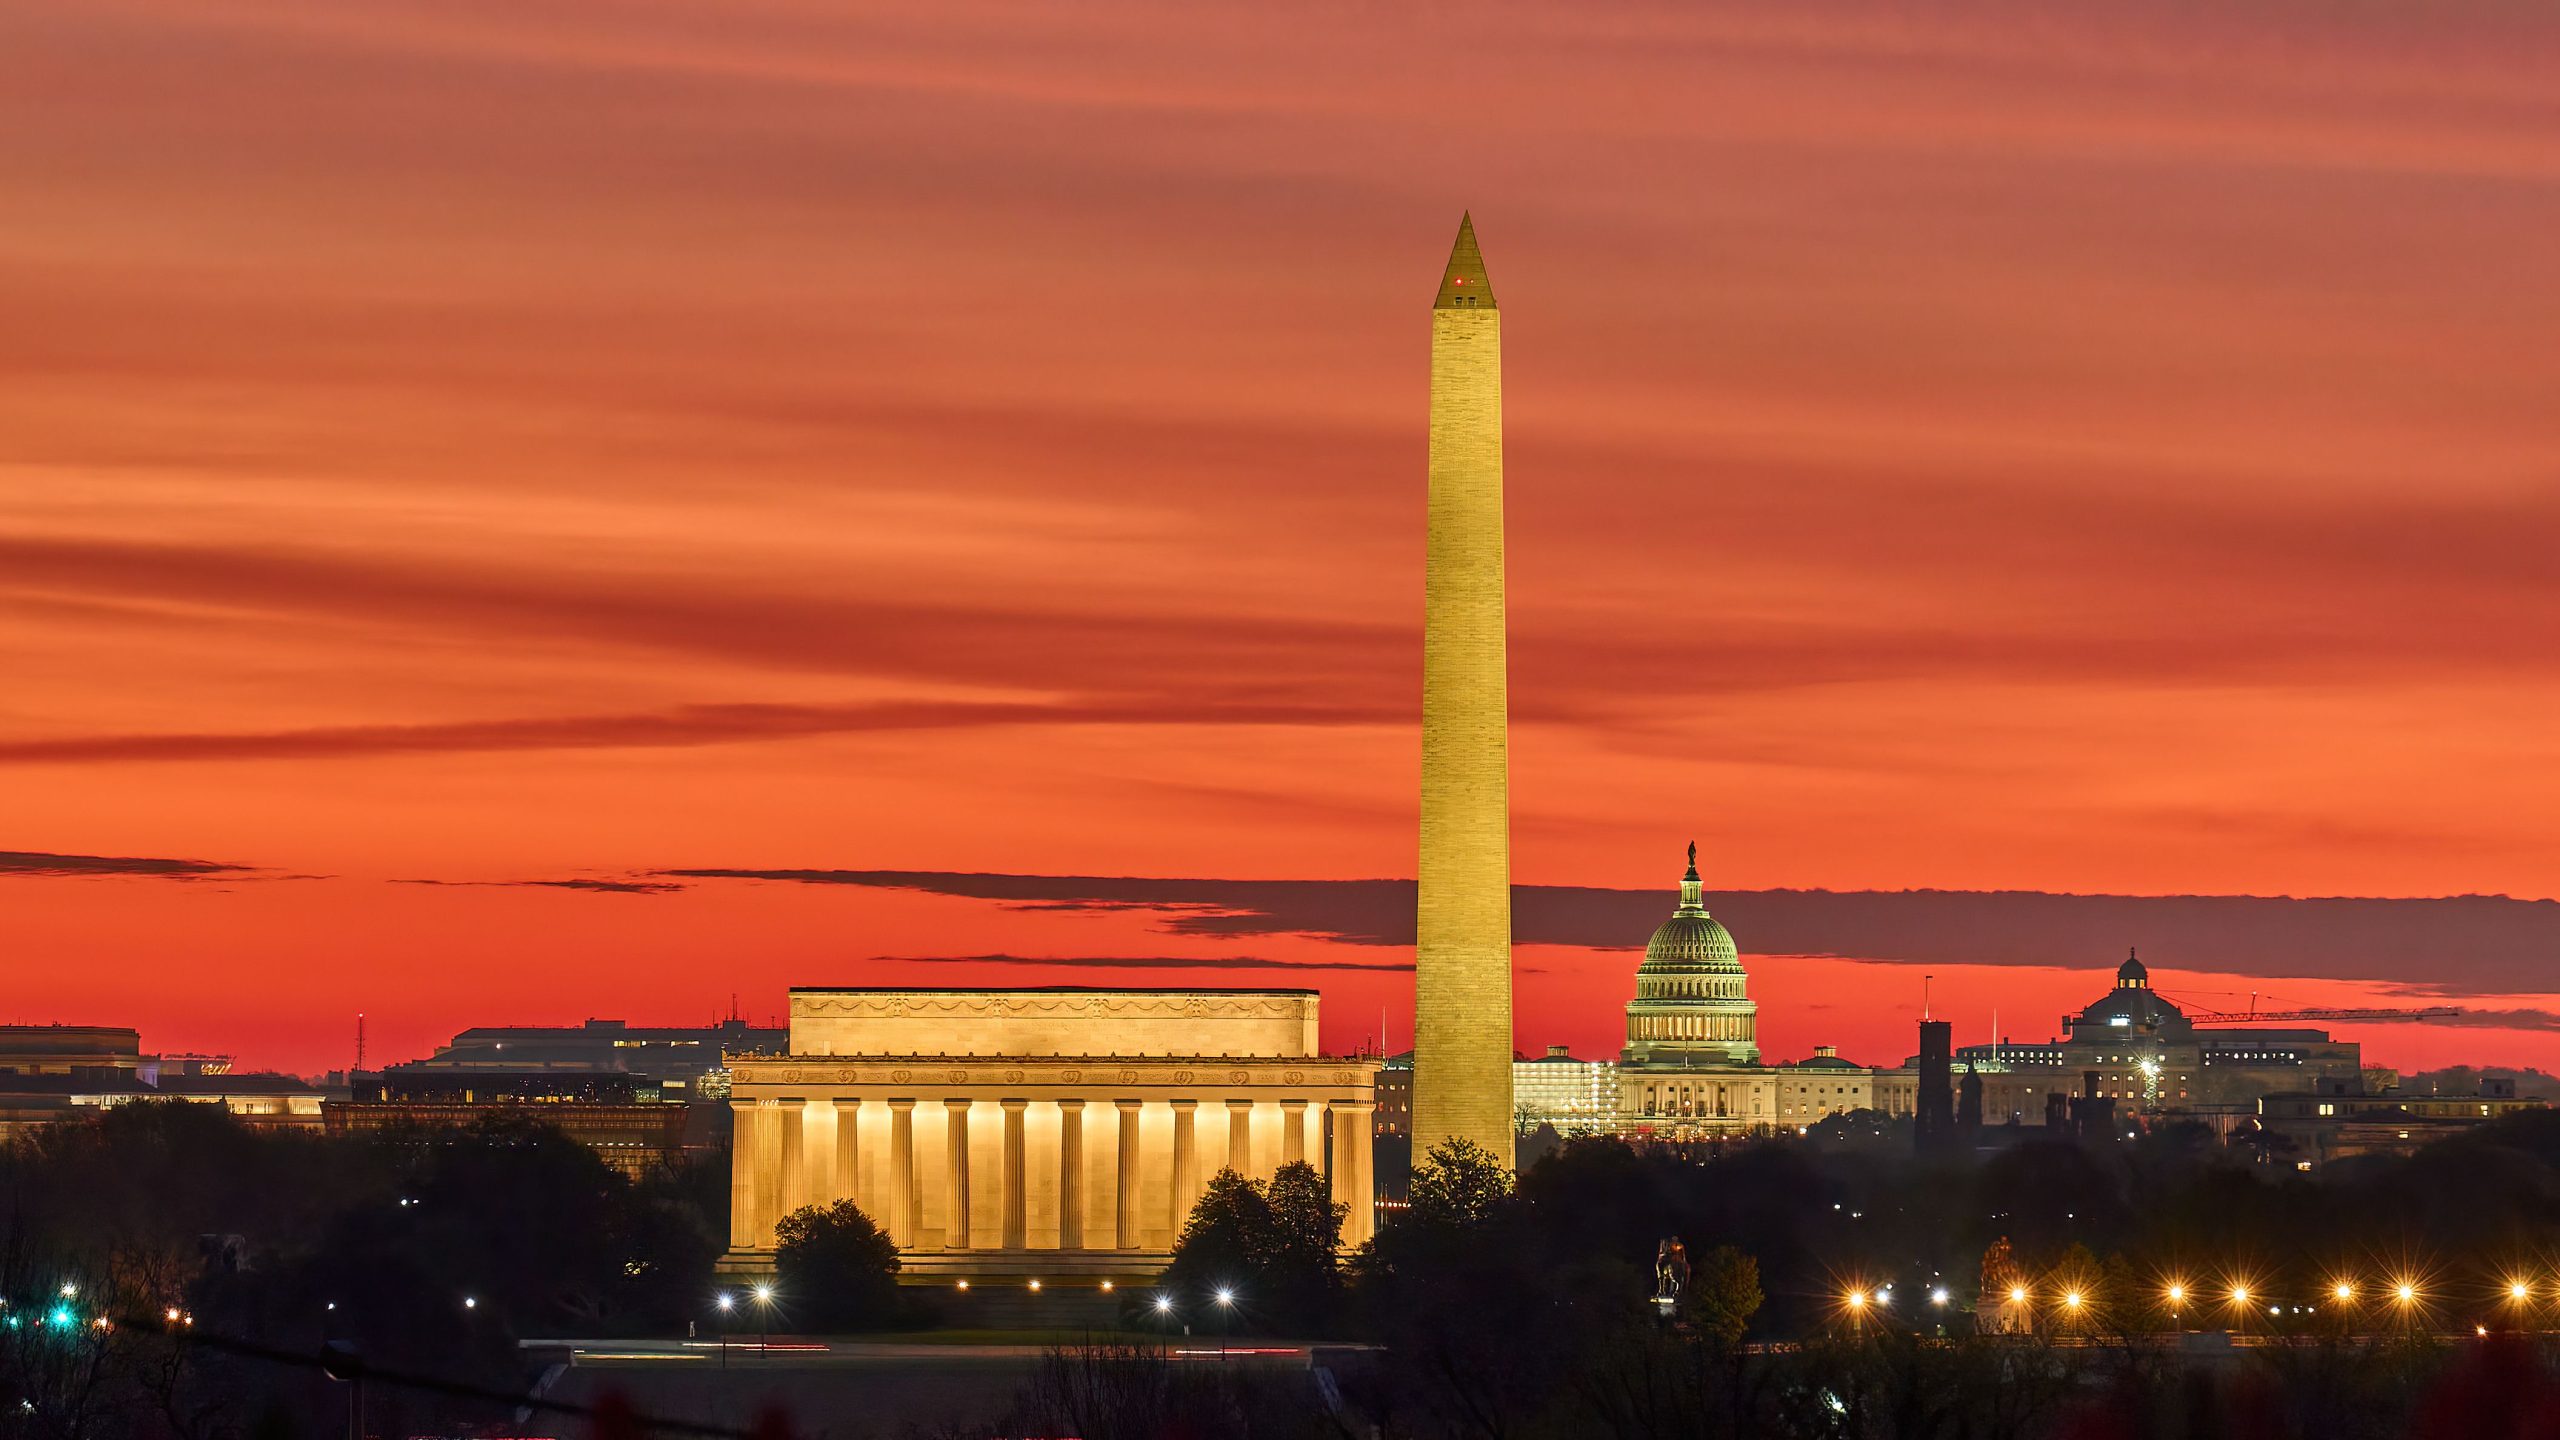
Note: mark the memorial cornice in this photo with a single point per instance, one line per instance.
(1148, 1004)
(1088, 1071)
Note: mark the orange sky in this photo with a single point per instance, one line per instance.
(2018, 449)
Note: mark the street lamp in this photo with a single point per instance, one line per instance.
(724, 1302)
(2404, 1293)
(764, 1310)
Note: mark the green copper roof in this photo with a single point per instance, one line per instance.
(1464, 285)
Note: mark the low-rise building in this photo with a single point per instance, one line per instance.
(2312, 1129)
(682, 1061)
(1576, 1097)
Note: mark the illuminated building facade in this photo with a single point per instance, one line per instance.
(69, 1050)
(1038, 1133)
(2147, 1056)
(1575, 1097)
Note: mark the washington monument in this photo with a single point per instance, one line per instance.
(1462, 962)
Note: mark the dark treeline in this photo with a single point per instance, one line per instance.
(1525, 1309)
(431, 1252)
(1854, 1209)
(1497, 1306)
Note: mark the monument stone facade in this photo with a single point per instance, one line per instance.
(1048, 1134)
(1462, 960)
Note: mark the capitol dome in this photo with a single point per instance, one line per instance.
(1692, 1002)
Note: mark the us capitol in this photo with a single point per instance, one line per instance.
(1692, 1067)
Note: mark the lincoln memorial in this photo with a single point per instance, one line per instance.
(1041, 1132)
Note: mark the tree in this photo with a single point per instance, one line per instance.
(1224, 1239)
(1300, 1271)
(836, 1269)
(1271, 1246)
(1723, 1295)
(1458, 1185)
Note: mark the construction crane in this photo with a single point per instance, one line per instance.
(2254, 1016)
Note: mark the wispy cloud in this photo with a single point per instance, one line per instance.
(1142, 962)
(598, 887)
(42, 863)
(685, 726)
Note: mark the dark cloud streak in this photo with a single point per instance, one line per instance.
(2454, 945)
(597, 887)
(42, 863)
(1143, 962)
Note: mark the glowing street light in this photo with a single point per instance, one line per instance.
(1164, 1304)
(727, 1302)
(1857, 1299)
(2017, 1294)
(1938, 1296)
(470, 1302)
(2342, 1292)
(1226, 1297)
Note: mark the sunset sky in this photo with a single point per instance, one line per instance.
(469, 472)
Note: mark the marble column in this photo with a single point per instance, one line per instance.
(1126, 1222)
(1017, 1204)
(1070, 1174)
(1186, 1163)
(902, 1173)
(1351, 1120)
(768, 1180)
(742, 1175)
(1293, 1131)
(795, 1167)
(1240, 1137)
(848, 1157)
(955, 1228)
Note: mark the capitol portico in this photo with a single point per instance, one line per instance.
(1037, 1132)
